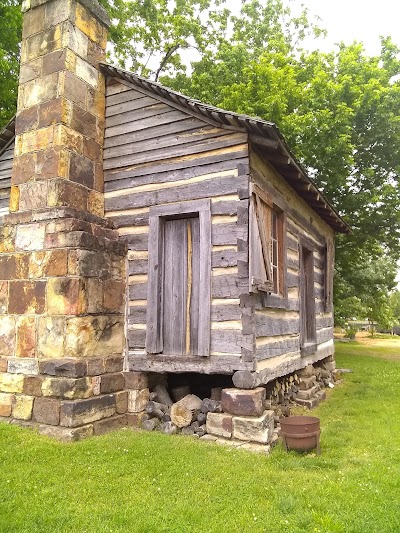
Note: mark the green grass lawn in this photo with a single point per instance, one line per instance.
(149, 482)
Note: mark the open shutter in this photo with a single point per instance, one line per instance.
(260, 245)
(329, 266)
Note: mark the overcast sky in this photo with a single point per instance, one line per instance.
(361, 20)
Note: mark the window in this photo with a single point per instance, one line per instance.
(267, 245)
(179, 282)
(307, 300)
(328, 270)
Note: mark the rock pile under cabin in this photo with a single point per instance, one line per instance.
(247, 419)
(164, 264)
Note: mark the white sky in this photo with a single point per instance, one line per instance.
(360, 20)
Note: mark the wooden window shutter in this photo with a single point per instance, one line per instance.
(260, 245)
(329, 268)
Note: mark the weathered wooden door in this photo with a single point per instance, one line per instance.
(180, 286)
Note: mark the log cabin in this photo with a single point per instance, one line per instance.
(224, 245)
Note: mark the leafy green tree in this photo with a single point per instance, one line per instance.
(150, 36)
(10, 37)
(340, 113)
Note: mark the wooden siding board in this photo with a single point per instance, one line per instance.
(204, 189)
(172, 145)
(202, 161)
(124, 143)
(192, 148)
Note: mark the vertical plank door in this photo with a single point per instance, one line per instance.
(180, 286)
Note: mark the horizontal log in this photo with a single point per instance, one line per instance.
(269, 327)
(202, 163)
(116, 156)
(190, 149)
(138, 291)
(218, 364)
(128, 95)
(115, 114)
(137, 314)
(220, 313)
(137, 242)
(204, 189)
(138, 266)
(324, 335)
(225, 207)
(137, 116)
(114, 86)
(228, 286)
(136, 338)
(226, 341)
(224, 258)
(274, 349)
(227, 234)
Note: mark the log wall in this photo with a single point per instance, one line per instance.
(275, 320)
(155, 154)
(6, 161)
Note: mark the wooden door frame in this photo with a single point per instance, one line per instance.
(307, 301)
(157, 217)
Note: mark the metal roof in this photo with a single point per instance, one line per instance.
(265, 135)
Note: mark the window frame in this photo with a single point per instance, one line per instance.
(157, 217)
(259, 197)
(308, 339)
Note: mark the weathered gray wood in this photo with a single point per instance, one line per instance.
(138, 291)
(154, 342)
(292, 243)
(120, 97)
(205, 189)
(130, 130)
(114, 86)
(220, 313)
(194, 147)
(138, 115)
(324, 322)
(227, 234)
(202, 162)
(292, 280)
(226, 341)
(137, 314)
(164, 175)
(245, 379)
(138, 266)
(324, 335)
(121, 110)
(224, 258)
(124, 143)
(137, 242)
(5, 164)
(293, 263)
(277, 348)
(205, 280)
(5, 182)
(136, 338)
(218, 364)
(270, 327)
(227, 208)
(152, 146)
(230, 286)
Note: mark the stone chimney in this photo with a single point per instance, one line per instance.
(62, 266)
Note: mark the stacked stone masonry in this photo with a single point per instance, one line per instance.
(62, 266)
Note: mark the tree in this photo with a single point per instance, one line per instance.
(339, 113)
(150, 36)
(10, 37)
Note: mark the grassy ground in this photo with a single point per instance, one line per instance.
(148, 482)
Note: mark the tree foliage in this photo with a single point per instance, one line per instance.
(10, 37)
(339, 111)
